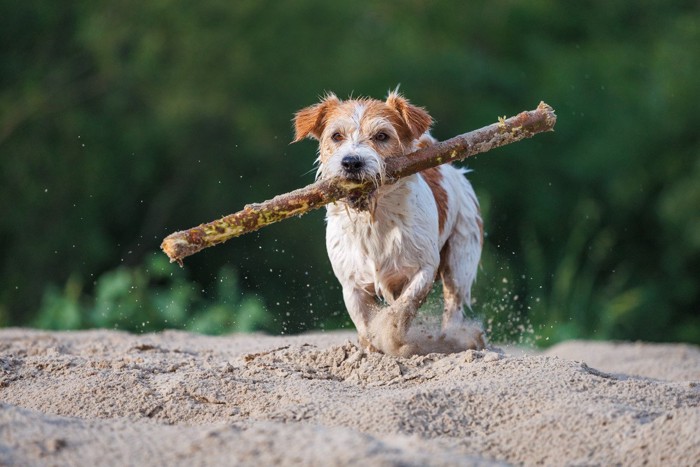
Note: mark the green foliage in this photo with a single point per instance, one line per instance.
(125, 121)
(152, 298)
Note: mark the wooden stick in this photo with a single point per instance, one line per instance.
(181, 244)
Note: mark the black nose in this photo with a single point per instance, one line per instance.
(352, 164)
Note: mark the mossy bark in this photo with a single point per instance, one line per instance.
(181, 244)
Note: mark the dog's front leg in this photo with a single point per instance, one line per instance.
(360, 304)
(389, 328)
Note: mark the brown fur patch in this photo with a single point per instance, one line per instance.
(310, 121)
(416, 119)
(433, 178)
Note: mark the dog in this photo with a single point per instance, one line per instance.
(392, 246)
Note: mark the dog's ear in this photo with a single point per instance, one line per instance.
(416, 119)
(310, 121)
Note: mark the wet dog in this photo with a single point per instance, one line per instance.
(393, 246)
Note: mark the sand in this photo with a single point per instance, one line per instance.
(173, 398)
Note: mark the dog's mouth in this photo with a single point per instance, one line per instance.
(360, 198)
(356, 176)
(362, 201)
(363, 176)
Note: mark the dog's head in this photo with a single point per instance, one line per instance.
(356, 135)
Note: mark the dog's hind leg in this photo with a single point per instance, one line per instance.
(456, 285)
(459, 263)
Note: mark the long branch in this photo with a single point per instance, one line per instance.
(181, 244)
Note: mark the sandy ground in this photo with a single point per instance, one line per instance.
(111, 398)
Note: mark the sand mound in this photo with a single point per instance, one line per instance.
(102, 397)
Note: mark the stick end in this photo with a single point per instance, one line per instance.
(550, 115)
(176, 249)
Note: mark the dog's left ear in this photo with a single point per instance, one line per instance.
(416, 119)
(311, 121)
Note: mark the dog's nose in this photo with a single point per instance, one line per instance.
(352, 163)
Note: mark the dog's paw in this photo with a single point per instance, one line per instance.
(366, 344)
(385, 334)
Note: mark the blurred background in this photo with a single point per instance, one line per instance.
(121, 122)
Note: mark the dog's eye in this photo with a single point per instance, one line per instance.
(337, 137)
(381, 136)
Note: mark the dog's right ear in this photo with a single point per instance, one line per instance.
(310, 121)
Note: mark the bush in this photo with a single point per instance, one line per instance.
(151, 298)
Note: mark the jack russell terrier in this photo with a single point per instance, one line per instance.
(393, 247)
